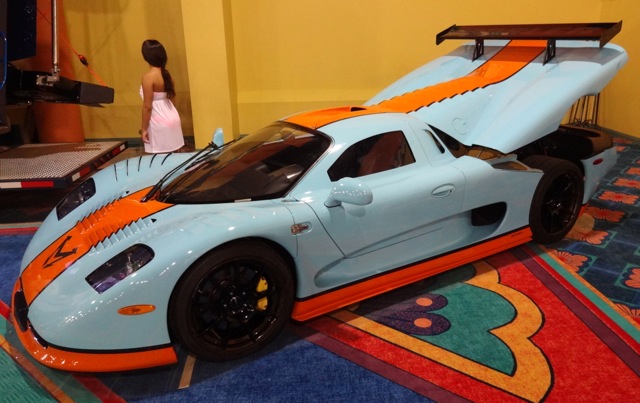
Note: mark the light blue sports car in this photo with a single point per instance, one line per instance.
(217, 250)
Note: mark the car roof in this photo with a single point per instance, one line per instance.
(317, 119)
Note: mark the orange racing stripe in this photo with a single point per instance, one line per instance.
(322, 117)
(87, 233)
(330, 301)
(507, 62)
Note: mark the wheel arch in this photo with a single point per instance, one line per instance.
(570, 143)
(275, 246)
(555, 208)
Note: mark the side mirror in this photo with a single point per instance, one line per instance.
(351, 191)
(218, 137)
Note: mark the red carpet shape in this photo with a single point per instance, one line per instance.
(512, 330)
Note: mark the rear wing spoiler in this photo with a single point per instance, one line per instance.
(602, 32)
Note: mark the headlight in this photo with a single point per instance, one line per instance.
(119, 267)
(75, 198)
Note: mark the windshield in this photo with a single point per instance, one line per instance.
(263, 165)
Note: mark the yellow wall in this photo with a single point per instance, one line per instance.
(620, 109)
(208, 37)
(240, 64)
(293, 55)
(110, 34)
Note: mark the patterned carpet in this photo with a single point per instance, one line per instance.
(603, 247)
(508, 328)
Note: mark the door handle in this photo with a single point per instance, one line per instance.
(443, 191)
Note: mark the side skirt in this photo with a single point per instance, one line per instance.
(350, 294)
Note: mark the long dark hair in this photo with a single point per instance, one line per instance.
(154, 54)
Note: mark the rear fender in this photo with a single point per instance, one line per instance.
(595, 168)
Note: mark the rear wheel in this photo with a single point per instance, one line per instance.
(557, 200)
(232, 302)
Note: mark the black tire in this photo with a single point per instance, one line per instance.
(557, 200)
(232, 302)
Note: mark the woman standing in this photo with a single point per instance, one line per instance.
(161, 129)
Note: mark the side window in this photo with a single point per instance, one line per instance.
(455, 147)
(435, 141)
(372, 155)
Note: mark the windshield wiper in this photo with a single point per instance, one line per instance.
(198, 156)
(211, 151)
(167, 191)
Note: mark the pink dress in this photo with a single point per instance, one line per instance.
(165, 130)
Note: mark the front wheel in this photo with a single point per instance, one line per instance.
(557, 200)
(232, 302)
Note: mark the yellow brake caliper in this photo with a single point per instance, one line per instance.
(261, 287)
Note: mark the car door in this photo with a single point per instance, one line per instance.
(411, 199)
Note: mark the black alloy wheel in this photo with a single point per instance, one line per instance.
(557, 200)
(232, 302)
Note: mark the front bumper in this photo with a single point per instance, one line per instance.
(69, 359)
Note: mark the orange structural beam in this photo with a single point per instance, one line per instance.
(56, 123)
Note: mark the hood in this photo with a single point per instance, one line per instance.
(116, 220)
(509, 97)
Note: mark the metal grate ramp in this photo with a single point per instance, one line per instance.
(54, 165)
